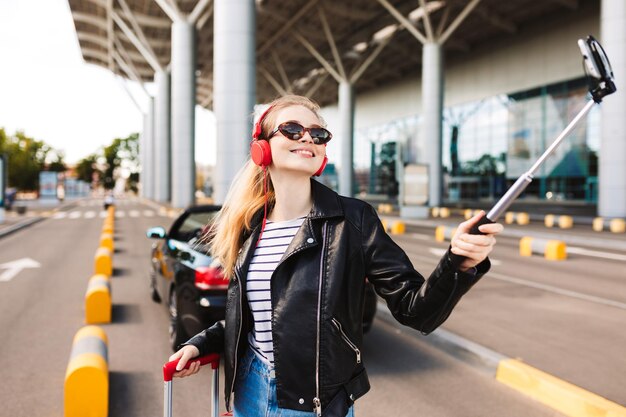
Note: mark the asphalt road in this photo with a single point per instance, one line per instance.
(563, 317)
(41, 308)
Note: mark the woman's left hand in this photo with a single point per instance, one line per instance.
(474, 248)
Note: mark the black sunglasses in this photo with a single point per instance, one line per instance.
(295, 131)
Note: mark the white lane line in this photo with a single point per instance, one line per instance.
(133, 213)
(438, 252)
(556, 290)
(90, 214)
(103, 214)
(120, 214)
(420, 236)
(148, 213)
(60, 215)
(595, 253)
(75, 214)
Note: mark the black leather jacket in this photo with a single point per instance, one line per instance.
(317, 301)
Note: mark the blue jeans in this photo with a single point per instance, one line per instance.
(255, 392)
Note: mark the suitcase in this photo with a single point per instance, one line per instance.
(170, 368)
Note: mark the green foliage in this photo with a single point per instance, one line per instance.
(121, 153)
(26, 158)
(86, 167)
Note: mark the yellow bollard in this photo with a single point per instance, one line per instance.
(398, 228)
(98, 300)
(440, 233)
(444, 212)
(106, 241)
(526, 246)
(555, 250)
(381, 208)
(617, 226)
(548, 221)
(509, 217)
(598, 224)
(467, 214)
(523, 219)
(86, 387)
(103, 262)
(435, 211)
(566, 222)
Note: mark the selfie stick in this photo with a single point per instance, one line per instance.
(601, 80)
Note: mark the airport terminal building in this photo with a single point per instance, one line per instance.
(431, 102)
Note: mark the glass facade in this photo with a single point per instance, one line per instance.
(489, 143)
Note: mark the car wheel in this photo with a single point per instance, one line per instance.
(177, 333)
(153, 291)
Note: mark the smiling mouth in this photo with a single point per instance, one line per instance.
(303, 152)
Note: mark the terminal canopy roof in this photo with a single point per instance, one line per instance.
(350, 36)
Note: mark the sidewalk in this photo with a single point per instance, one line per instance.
(582, 233)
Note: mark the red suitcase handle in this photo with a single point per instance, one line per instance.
(170, 368)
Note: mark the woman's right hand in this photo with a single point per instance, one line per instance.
(185, 354)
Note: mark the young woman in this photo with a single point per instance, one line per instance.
(297, 255)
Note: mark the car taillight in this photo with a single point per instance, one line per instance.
(210, 278)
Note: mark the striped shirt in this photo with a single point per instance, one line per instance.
(274, 242)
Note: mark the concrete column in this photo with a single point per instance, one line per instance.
(162, 138)
(233, 87)
(147, 154)
(612, 158)
(183, 113)
(346, 134)
(432, 108)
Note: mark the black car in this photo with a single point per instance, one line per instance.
(183, 273)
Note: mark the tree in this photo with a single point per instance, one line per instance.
(122, 154)
(26, 158)
(86, 167)
(57, 163)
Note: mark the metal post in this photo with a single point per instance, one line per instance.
(346, 133)
(183, 113)
(612, 161)
(162, 138)
(233, 87)
(432, 109)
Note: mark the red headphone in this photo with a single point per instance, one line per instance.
(261, 152)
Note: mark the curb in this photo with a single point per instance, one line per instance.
(29, 222)
(551, 391)
(21, 225)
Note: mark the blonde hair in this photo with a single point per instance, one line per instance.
(246, 195)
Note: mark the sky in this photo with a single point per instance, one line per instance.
(49, 92)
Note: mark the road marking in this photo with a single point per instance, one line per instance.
(134, 213)
(60, 215)
(595, 253)
(420, 236)
(120, 214)
(440, 252)
(148, 213)
(14, 267)
(556, 290)
(75, 215)
(103, 214)
(90, 214)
